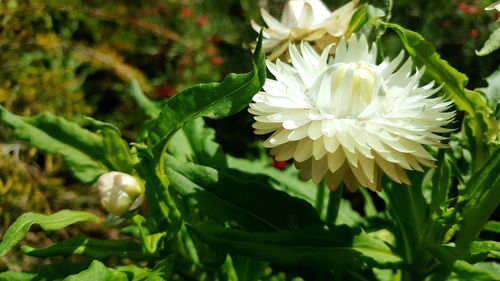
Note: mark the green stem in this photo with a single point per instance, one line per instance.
(334, 204)
(320, 197)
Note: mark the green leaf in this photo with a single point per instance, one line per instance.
(162, 208)
(16, 232)
(116, 152)
(149, 241)
(337, 249)
(248, 269)
(492, 92)
(161, 271)
(441, 183)
(250, 203)
(493, 226)
(89, 247)
(151, 108)
(486, 249)
(478, 272)
(195, 143)
(17, 276)
(454, 82)
(491, 45)
(408, 208)
(482, 197)
(213, 100)
(79, 148)
(98, 271)
(358, 19)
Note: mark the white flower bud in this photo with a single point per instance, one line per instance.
(119, 192)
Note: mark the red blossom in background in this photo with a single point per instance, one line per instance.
(216, 60)
(474, 33)
(166, 91)
(186, 12)
(201, 21)
(468, 9)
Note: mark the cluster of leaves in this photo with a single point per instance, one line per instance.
(211, 216)
(65, 58)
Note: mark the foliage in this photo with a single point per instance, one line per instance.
(210, 215)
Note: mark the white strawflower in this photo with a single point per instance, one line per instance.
(119, 192)
(308, 20)
(350, 119)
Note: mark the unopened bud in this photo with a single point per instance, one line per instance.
(119, 192)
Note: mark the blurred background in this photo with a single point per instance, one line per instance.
(77, 58)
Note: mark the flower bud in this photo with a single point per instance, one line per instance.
(119, 192)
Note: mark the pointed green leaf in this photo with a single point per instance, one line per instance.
(491, 45)
(482, 197)
(213, 100)
(358, 19)
(16, 232)
(79, 147)
(89, 247)
(98, 271)
(151, 108)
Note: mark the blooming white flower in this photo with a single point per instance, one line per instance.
(119, 192)
(308, 20)
(350, 119)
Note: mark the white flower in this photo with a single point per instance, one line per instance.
(308, 20)
(350, 119)
(119, 192)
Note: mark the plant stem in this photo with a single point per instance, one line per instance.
(320, 197)
(334, 204)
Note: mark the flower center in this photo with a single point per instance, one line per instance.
(347, 89)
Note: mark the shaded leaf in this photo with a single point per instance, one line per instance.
(482, 197)
(250, 203)
(16, 232)
(89, 247)
(339, 248)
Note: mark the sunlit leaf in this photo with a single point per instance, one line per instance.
(213, 100)
(98, 271)
(79, 148)
(491, 45)
(16, 232)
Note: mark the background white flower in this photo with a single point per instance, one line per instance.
(350, 119)
(308, 20)
(119, 192)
